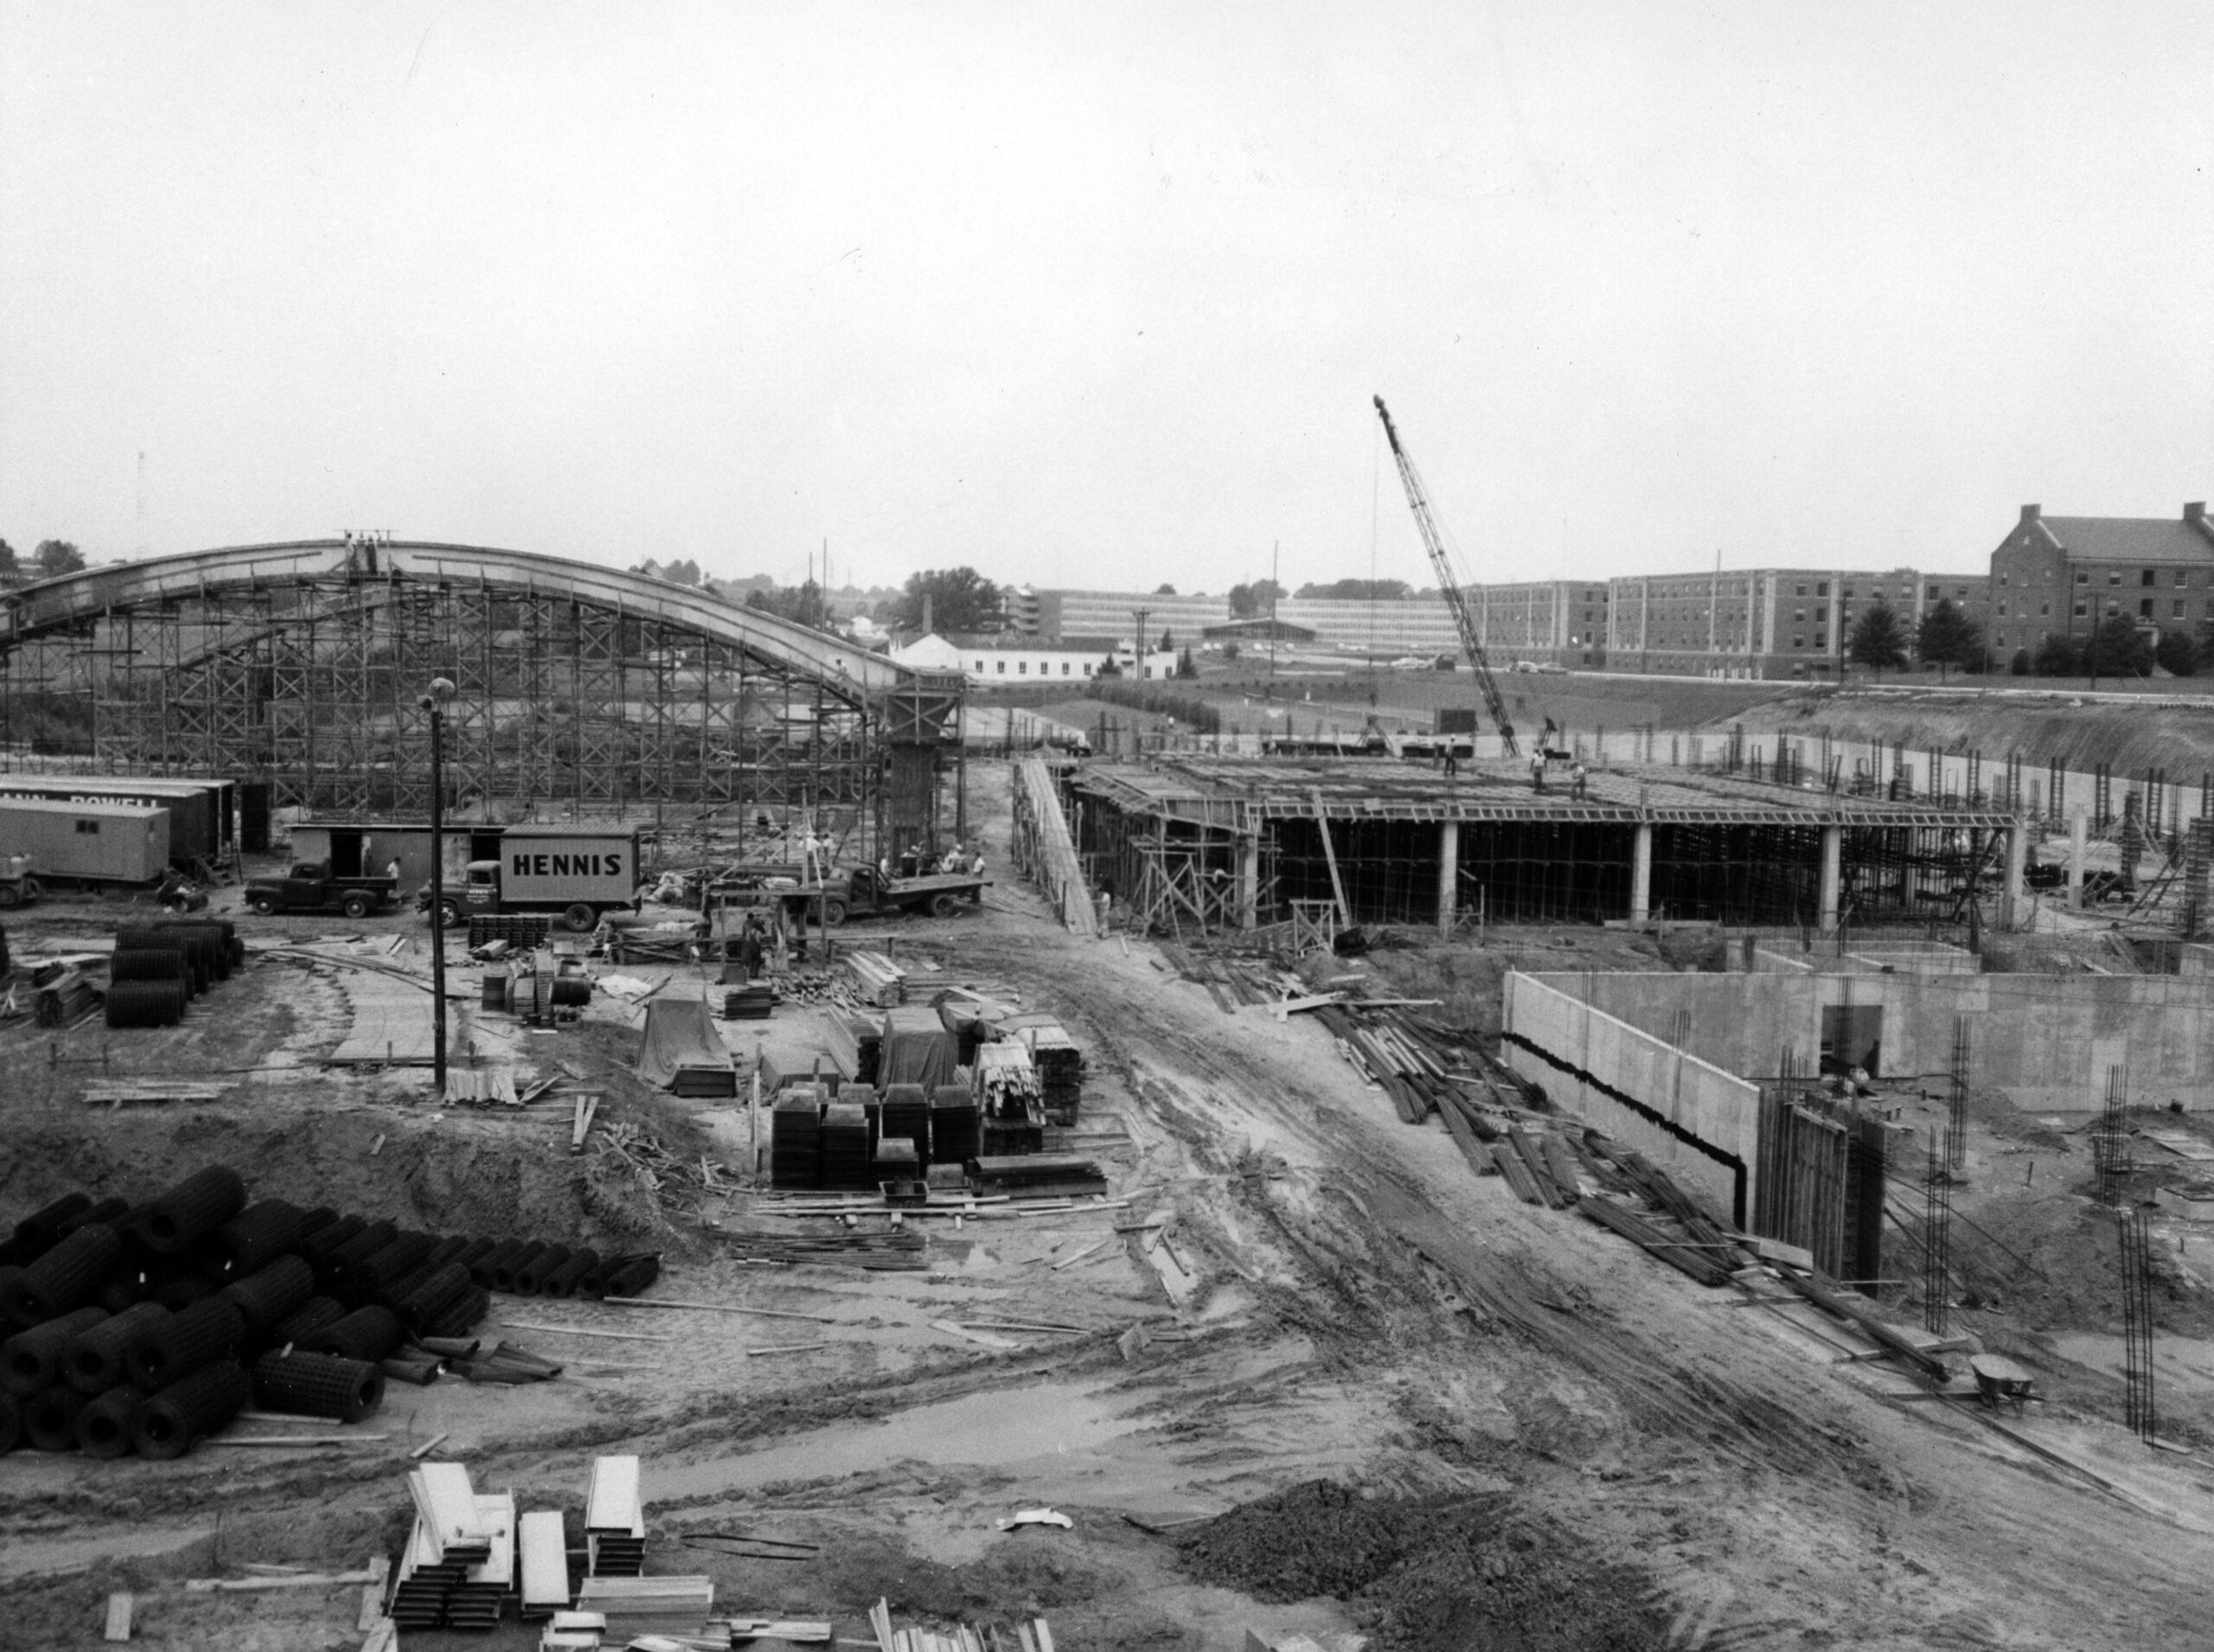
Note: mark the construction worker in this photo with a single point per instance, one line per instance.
(977, 866)
(1537, 769)
(1580, 777)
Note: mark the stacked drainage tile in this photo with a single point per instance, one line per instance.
(157, 969)
(145, 1327)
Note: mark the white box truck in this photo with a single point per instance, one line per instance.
(574, 872)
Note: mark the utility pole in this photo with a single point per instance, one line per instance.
(1275, 552)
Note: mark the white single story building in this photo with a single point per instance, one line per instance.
(999, 663)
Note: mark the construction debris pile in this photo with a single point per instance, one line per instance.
(148, 1326)
(471, 1555)
(915, 1090)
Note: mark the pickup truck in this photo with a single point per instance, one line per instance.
(868, 894)
(309, 886)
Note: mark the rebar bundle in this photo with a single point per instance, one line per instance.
(2137, 1324)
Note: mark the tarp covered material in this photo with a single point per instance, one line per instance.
(680, 1034)
(917, 1049)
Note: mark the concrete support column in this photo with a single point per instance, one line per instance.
(1832, 878)
(1641, 875)
(1449, 874)
(1249, 882)
(2078, 829)
(2014, 910)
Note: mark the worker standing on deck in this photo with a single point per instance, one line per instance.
(1537, 769)
(749, 948)
(1452, 761)
(1581, 776)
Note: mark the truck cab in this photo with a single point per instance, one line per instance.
(307, 886)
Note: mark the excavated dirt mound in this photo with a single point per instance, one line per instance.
(1429, 1572)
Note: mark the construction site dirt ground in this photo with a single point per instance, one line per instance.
(1374, 1396)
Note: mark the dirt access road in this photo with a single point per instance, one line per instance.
(1539, 1437)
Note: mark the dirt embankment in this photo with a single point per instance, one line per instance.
(2175, 734)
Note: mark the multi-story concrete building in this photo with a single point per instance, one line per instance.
(1767, 622)
(2064, 575)
(1753, 623)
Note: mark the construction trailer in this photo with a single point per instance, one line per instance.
(203, 813)
(90, 845)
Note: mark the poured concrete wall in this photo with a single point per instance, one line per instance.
(2046, 1039)
(1689, 1116)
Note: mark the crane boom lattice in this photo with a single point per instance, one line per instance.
(1448, 582)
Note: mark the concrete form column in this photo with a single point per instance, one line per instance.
(2078, 829)
(1448, 874)
(1641, 875)
(1832, 878)
(1249, 882)
(2012, 908)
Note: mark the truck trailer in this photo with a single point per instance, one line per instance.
(90, 845)
(202, 812)
(575, 872)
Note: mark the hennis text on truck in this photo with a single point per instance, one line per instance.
(577, 873)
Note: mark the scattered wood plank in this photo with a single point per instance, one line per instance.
(119, 1617)
(990, 1340)
(302, 1580)
(785, 1348)
(372, 1612)
(427, 1447)
(306, 1440)
(714, 1308)
(579, 1330)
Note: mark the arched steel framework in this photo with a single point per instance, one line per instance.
(300, 665)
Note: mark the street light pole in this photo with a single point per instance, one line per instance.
(435, 701)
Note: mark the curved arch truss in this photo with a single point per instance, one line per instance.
(303, 665)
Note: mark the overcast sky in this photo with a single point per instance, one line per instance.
(1098, 295)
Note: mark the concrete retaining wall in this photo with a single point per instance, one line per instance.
(1686, 1115)
(2047, 1041)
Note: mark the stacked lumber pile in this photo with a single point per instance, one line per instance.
(855, 1042)
(615, 1520)
(1039, 1173)
(66, 994)
(1400, 1053)
(1057, 1062)
(460, 1559)
(876, 980)
(900, 1250)
(750, 1002)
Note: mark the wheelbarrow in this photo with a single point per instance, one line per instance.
(1999, 1381)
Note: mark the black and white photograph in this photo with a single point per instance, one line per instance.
(965, 827)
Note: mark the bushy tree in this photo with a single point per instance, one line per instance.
(1186, 665)
(1230, 652)
(961, 600)
(1167, 644)
(2117, 649)
(803, 604)
(1949, 637)
(1877, 639)
(1108, 667)
(2019, 665)
(1358, 591)
(1247, 601)
(2176, 653)
(56, 556)
(1164, 589)
(12, 570)
(2058, 657)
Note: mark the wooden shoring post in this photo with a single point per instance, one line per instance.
(1330, 855)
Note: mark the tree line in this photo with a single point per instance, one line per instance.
(1947, 636)
(53, 557)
